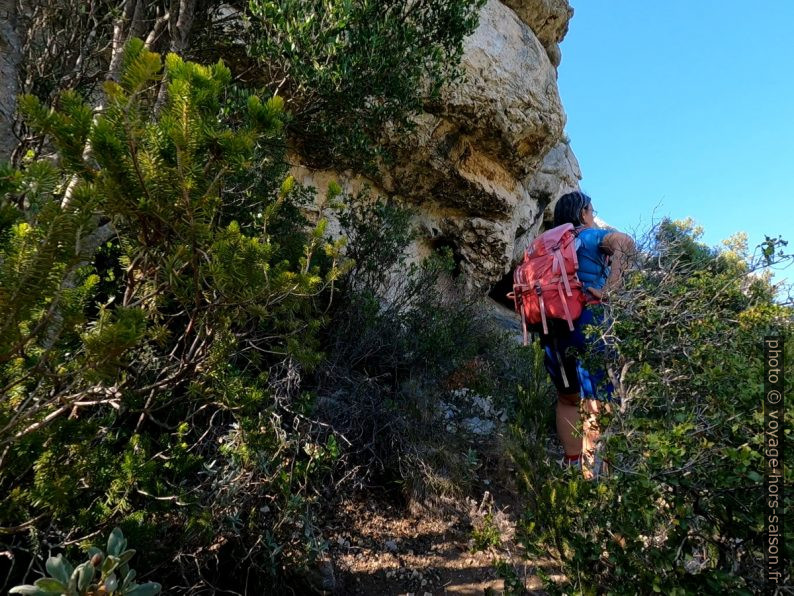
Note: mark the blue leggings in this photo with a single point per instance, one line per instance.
(569, 346)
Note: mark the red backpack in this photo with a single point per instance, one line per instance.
(545, 284)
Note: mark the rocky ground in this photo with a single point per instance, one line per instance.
(379, 547)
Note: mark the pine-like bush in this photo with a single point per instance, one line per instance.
(157, 296)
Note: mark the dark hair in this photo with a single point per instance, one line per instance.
(569, 208)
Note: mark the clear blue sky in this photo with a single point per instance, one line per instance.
(686, 106)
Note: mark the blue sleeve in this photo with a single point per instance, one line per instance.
(601, 235)
(593, 268)
(593, 237)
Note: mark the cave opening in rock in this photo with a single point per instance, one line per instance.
(500, 289)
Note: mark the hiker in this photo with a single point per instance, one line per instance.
(602, 256)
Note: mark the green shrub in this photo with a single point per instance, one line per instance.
(352, 69)
(101, 574)
(401, 336)
(513, 584)
(682, 510)
(150, 340)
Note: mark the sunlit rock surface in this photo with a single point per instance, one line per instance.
(485, 163)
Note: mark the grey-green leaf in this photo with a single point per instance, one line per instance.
(116, 542)
(28, 590)
(128, 578)
(147, 589)
(109, 564)
(72, 587)
(86, 575)
(111, 583)
(123, 569)
(60, 568)
(126, 556)
(49, 584)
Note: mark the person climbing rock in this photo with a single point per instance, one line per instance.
(603, 256)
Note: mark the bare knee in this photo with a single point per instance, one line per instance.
(568, 399)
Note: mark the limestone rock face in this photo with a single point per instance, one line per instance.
(486, 162)
(493, 128)
(548, 19)
(558, 174)
(508, 103)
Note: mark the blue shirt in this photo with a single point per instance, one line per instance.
(593, 268)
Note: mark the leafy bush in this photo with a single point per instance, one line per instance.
(101, 574)
(402, 335)
(681, 511)
(150, 339)
(349, 69)
(514, 585)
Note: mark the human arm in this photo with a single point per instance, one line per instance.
(621, 247)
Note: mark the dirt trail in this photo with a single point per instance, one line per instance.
(379, 548)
